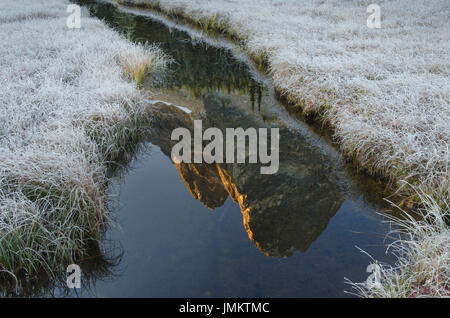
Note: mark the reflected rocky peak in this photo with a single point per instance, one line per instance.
(203, 183)
(282, 213)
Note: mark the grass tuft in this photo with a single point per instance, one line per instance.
(422, 253)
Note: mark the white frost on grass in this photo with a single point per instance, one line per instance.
(422, 250)
(68, 106)
(12, 11)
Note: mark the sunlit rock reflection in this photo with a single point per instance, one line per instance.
(203, 183)
(282, 213)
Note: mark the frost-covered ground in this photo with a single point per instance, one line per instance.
(68, 105)
(385, 92)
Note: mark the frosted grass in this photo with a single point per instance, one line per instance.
(69, 105)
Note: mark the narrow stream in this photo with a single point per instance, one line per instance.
(225, 230)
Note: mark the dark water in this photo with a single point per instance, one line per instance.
(225, 230)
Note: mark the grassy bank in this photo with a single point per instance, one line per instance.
(70, 105)
(384, 93)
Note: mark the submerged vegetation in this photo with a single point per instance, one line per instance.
(68, 109)
(384, 93)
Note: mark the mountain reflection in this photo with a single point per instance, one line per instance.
(283, 212)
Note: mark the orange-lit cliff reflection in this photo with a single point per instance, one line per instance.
(282, 213)
(279, 217)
